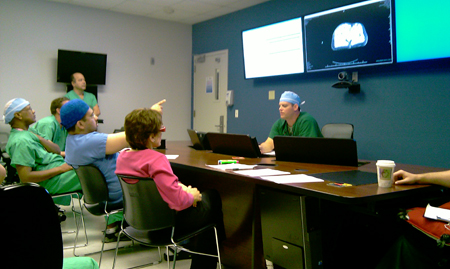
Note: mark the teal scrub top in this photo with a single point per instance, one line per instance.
(89, 98)
(50, 129)
(305, 126)
(26, 150)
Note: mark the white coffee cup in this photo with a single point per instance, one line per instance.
(385, 173)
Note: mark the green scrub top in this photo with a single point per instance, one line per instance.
(89, 98)
(50, 129)
(26, 150)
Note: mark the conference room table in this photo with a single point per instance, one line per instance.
(243, 247)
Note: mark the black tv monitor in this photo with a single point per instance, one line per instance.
(354, 35)
(91, 65)
(274, 49)
(422, 30)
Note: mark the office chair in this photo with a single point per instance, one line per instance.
(22, 202)
(13, 178)
(122, 129)
(151, 221)
(95, 196)
(338, 130)
(29, 215)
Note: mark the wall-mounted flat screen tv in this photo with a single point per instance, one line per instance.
(91, 65)
(422, 29)
(274, 49)
(350, 36)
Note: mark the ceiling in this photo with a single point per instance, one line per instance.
(182, 11)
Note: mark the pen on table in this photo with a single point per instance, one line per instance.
(236, 169)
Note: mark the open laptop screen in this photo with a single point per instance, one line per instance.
(234, 144)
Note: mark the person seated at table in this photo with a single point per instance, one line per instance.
(84, 146)
(292, 122)
(414, 249)
(143, 129)
(50, 127)
(36, 159)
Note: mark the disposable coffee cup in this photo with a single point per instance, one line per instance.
(385, 173)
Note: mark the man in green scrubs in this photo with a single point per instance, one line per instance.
(292, 122)
(78, 92)
(50, 127)
(36, 159)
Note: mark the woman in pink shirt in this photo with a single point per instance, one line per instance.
(143, 130)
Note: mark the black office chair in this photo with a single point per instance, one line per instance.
(13, 178)
(31, 232)
(338, 130)
(151, 221)
(22, 202)
(95, 195)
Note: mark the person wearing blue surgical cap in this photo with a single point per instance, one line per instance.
(292, 121)
(36, 159)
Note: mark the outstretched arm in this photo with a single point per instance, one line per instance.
(158, 106)
(2, 173)
(115, 143)
(436, 178)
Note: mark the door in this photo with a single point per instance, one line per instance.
(210, 89)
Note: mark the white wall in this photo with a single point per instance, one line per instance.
(32, 31)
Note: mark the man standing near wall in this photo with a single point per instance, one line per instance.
(78, 92)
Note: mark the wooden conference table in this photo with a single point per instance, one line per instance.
(241, 205)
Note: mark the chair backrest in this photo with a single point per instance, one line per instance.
(338, 130)
(30, 227)
(144, 208)
(93, 184)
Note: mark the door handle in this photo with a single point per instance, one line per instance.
(221, 125)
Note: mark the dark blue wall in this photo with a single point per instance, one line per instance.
(401, 115)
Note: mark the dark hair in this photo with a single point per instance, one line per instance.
(139, 125)
(57, 103)
(72, 77)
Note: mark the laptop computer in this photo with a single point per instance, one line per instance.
(337, 151)
(198, 139)
(234, 144)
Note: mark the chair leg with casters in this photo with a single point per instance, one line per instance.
(78, 218)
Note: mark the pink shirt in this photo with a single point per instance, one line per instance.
(150, 163)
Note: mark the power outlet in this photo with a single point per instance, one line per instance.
(271, 95)
(355, 76)
(236, 113)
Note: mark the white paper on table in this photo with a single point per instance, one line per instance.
(437, 213)
(262, 172)
(298, 178)
(271, 153)
(232, 166)
(172, 157)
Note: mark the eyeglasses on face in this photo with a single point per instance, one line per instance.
(162, 129)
